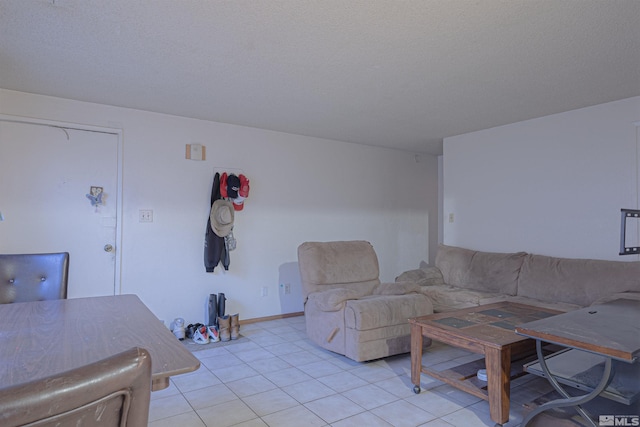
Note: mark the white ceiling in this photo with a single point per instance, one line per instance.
(401, 73)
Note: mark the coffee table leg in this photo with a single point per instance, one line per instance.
(498, 364)
(416, 356)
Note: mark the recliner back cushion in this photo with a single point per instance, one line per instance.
(576, 281)
(481, 271)
(330, 263)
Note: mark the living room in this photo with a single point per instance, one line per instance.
(567, 176)
(498, 127)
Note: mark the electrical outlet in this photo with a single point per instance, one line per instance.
(265, 291)
(287, 288)
(145, 215)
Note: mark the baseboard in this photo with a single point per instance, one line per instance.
(275, 317)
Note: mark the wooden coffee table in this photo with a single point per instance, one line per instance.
(486, 329)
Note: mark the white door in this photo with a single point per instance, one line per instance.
(45, 176)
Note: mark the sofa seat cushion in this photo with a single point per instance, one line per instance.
(480, 271)
(618, 295)
(576, 281)
(553, 305)
(447, 297)
(378, 311)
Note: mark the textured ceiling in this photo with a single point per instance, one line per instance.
(401, 74)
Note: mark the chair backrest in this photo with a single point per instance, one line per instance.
(33, 277)
(325, 265)
(113, 392)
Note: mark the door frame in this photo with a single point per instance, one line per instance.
(117, 274)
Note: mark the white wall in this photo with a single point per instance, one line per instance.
(302, 189)
(553, 185)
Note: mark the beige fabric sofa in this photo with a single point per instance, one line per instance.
(466, 278)
(347, 309)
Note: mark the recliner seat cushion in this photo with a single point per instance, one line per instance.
(334, 299)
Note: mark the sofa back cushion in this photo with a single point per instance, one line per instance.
(576, 281)
(326, 265)
(481, 271)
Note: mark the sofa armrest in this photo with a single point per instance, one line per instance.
(335, 299)
(397, 288)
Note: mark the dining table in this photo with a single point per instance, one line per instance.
(43, 338)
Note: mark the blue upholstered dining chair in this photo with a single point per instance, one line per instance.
(33, 277)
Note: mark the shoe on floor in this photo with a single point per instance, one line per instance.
(224, 323)
(190, 330)
(214, 335)
(201, 335)
(235, 326)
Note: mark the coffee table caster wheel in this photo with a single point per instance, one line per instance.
(416, 389)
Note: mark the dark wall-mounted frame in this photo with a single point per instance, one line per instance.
(626, 214)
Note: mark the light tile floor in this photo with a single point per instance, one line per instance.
(274, 376)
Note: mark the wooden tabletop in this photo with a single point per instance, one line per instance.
(38, 339)
(611, 329)
(492, 325)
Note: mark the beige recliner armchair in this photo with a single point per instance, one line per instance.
(348, 310)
